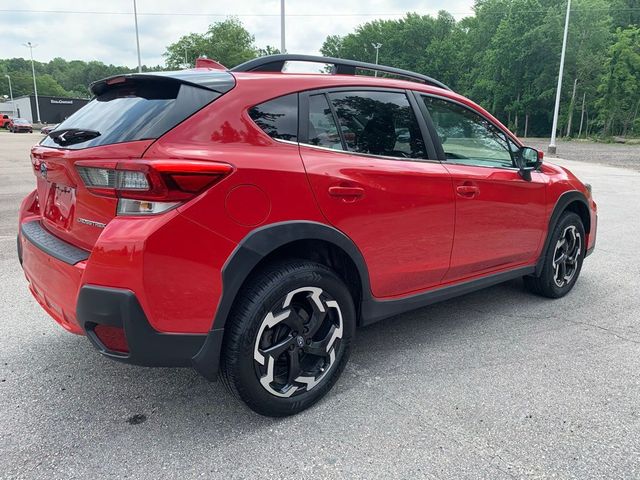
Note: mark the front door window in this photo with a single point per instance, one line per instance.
(466, 137)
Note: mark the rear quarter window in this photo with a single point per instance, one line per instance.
(278, 118)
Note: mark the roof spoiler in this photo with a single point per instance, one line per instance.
(275, 63)
(218, 80)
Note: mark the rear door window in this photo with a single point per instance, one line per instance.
(137, 109)
(379, 123)
(278, 118)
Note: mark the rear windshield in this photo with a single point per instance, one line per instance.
(135, 110)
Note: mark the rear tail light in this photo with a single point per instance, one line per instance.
(104, 178)
(149, 187)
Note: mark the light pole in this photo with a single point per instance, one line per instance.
(556, 110)
(283, 48)
(377, 47)
(33, 70)
(13, 105)
(135, 19)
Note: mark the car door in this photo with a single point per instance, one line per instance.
(377, 180)
(500, 217)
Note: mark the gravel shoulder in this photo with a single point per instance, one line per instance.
(611, 154)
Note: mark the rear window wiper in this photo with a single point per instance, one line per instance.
(69, 136)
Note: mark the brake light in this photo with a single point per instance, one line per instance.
(150, 186)
(204, 62)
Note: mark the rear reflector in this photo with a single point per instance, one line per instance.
(126, 206)
(112, 338)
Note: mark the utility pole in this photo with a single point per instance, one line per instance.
(33, 71)
(186, 62)
(13, 105)
(135, 19)
(283, 48)
(377, 47)
(556, 110)
(584, 98)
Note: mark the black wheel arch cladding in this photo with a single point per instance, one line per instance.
(564, 203)
(247, 255)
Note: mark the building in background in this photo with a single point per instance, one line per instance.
(6, 108)
(52, 109)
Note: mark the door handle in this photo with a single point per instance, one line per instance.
(338, 191)
(467, 190)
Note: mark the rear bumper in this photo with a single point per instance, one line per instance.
(120, 308)
(54, 282)
(55, 271)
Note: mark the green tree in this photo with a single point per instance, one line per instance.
(620, 89)
(227, 42)
(268, 50)
(625, 13)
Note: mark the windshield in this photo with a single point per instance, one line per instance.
(137, 109)
(21, 121)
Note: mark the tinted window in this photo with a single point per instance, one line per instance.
(379, 123)
(467, 137)
(278, 117)
(136, 110)
(323, 130)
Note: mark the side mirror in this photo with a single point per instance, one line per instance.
(528, 160)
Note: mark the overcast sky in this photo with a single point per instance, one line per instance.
(110, 36)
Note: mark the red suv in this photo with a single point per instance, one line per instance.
(246, 221)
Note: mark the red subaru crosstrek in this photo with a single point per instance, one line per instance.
(246, 221)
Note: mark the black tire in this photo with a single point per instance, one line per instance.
(259, 303)
(547, 284)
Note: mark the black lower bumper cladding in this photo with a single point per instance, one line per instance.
(147, 347)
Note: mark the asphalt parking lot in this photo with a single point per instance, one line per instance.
(496, 384)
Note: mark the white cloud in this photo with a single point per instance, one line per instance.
(110, 37)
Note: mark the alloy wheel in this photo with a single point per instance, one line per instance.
(297, 342)
(566, 255)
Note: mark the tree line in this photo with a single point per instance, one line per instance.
(505, 57)
(58, 78)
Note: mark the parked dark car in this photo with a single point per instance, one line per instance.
(46, 130)
(17, 125)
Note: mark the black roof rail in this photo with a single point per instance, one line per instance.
(275, 63)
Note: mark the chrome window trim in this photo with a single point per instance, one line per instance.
(367, 155)
(280, 140)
